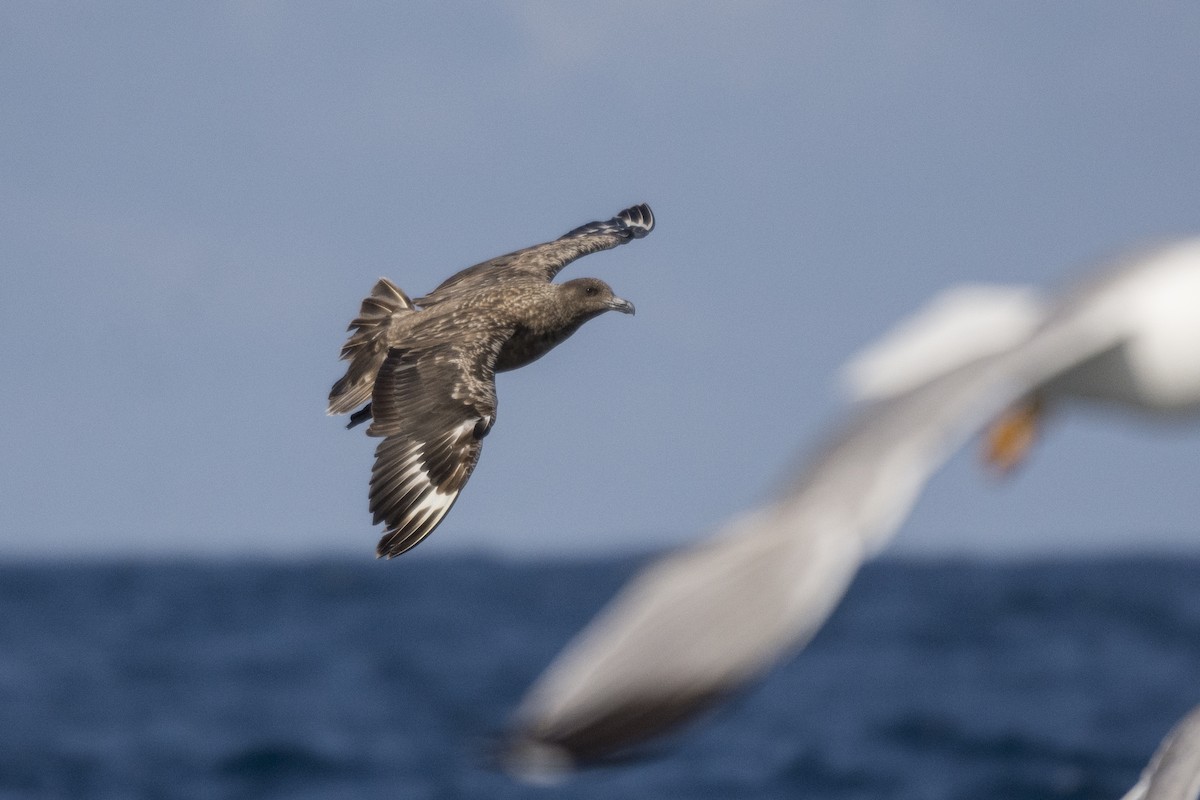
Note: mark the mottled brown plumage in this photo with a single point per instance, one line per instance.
(424, 372)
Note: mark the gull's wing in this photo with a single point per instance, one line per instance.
(433, 406)
(368, 344)
(544, 261)
(1174, 771)
(702, 622)
(959, 325)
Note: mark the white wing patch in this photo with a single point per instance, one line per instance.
(415, 479)
(409, 487)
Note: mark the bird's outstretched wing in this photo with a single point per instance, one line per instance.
(546, 260)
(1174, 771)
(631, 223)
(703, 622)
(368, 345)
(433, 406)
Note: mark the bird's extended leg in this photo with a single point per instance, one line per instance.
(1009, 438)
(360, 416)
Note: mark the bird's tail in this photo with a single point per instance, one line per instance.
(366, 348)
(632, 223)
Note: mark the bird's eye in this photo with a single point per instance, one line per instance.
(591, 290)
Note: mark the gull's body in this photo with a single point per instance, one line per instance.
(702, 622)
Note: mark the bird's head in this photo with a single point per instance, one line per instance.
(591, 296)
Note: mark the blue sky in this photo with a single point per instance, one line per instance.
(195, 197)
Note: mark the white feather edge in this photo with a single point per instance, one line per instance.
(412, 474)
(959, 325)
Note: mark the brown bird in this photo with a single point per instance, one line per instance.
(424, 371)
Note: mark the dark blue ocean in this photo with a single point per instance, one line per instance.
(363, 679)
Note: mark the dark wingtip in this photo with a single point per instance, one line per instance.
(544, 763)
(632, 223)
(387, 547)
(624, 730)
(400, 541)
(639, 219)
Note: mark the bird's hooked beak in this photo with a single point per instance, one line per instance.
(624, 306)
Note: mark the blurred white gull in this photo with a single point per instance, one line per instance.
(1174, 771)
(702, 622)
